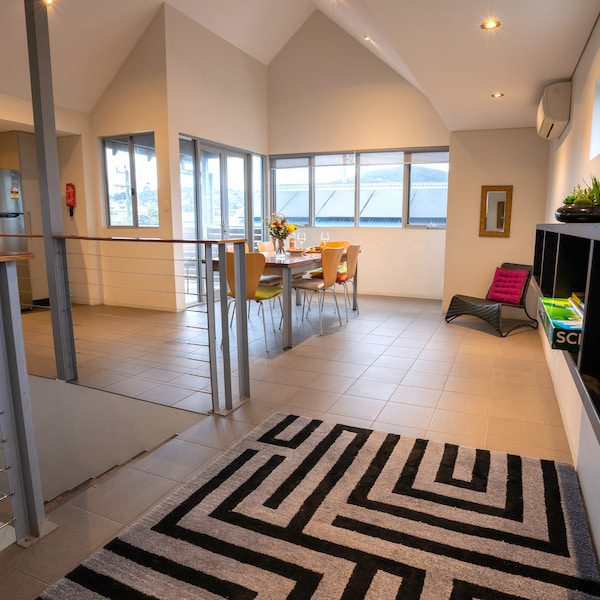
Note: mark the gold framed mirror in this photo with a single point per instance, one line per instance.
(496, 209)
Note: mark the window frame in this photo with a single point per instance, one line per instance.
(133, 181)
(202, 144)
(408, 154)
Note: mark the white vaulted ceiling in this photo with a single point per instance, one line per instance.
(91, 39)
(436, 45)
(458, 66)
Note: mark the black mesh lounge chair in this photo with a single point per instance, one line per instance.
(491, 310)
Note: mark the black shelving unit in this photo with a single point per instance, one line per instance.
(567, 260)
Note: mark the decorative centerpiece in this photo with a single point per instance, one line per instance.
(582, 206)
(280, 229)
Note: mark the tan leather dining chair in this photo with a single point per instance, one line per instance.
(255, 264)
(265, 246)
(330, 259)
(343, 277)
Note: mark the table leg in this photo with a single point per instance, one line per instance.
(298, 298)
(287, 308)
(355, 291)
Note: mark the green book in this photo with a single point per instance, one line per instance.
(561, 322)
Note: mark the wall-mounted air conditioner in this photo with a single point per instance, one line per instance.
(554, 110)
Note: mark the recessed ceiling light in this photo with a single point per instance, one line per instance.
(367, 38)
(490, 24)
(48, 2)
(497, 95)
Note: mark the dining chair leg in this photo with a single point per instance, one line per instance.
(281, 311)
(346, 298)
(353, 286)
(271, 311)
(232, 315)
(303, 305)
(336, 304)
(321, 303)
(309, 305)
(261, 306)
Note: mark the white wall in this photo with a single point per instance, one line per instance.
(516, 157)
(215, 92)
(328, 93)
(81, 433)
(135, 102)
(570, 164)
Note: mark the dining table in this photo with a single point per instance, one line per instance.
(286, 267)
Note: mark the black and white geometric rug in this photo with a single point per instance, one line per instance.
(305, 509)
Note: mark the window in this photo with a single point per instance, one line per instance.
(362, 189)
(131, 181)
(381, 189)
(334, 190)
(428, 194)
(291, 183)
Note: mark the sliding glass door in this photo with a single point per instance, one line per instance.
(224, 189)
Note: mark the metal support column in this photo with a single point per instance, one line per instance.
(239, 258)
(16, 425)
(36, 17)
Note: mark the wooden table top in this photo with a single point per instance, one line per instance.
(12, 256)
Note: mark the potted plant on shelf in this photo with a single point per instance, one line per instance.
(280, 229)
(582, 206)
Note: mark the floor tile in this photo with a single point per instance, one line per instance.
(131, 387)
(15, 585)
(425, 380)
(414, 395)
(360, 408)
(458, 423)
(78, 534)
(394, 362)
(383, 374)
(329, 383)
(469, 403)
(317, 400)
(177, 459)
(123, 496)
(216, 432)
(407, 415)
(376, 390)
(200, 402)
(431, 366)
(165, 394)
(463, 385)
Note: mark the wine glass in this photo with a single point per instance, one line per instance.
(301, 238)
(324, 239)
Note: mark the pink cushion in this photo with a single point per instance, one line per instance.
(508, 285)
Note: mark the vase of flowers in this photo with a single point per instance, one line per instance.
(280, 229)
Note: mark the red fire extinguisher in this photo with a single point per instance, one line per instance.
(71, 199)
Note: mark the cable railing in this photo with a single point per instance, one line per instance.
(21, 507)
(147, 320)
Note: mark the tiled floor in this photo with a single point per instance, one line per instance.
(397, 367)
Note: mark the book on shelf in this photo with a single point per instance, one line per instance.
(561, 322)
(577, 301)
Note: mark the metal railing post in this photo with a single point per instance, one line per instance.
(226, 347)
(239, 250)
(16, 424)
(212, 329)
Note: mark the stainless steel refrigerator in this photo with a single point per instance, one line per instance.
(12, 221)
(12, 218)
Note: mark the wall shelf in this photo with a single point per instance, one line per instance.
(567, 260)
